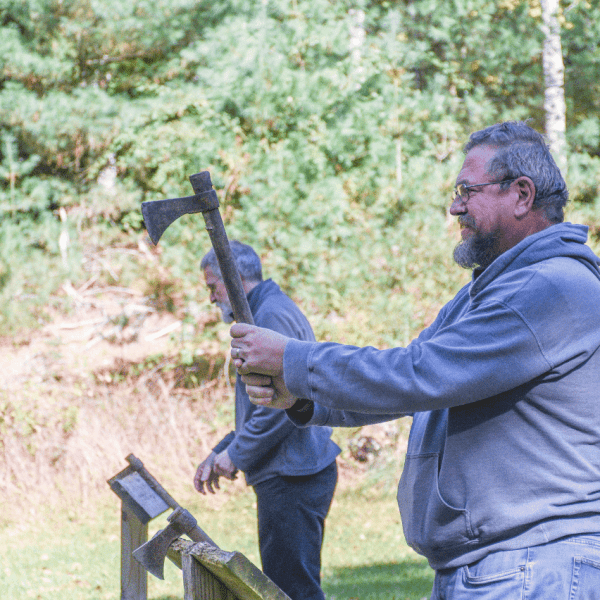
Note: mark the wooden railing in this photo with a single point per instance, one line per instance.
(213, 574)
(209, 573)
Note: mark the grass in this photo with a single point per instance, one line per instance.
(364, 555)
(406, 580)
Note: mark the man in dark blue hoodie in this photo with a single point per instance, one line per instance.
(293, 471)
(501, 484)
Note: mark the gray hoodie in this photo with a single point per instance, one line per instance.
(504, 389)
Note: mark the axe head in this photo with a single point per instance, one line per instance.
(159, 214)
(152, 554)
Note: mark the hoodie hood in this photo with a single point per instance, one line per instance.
(562, 240)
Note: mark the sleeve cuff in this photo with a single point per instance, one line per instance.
(296, 371)
(224, 443)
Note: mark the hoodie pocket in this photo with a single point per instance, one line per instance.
(430, 524)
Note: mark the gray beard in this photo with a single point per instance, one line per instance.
(480, 250)
(226, 312)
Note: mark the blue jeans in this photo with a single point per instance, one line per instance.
(291, 523)
(568, 569)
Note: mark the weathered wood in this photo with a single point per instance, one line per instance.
(141, 491)
(134, 579)
(233, 570)
(209, 573)
(135, 491)
(200, 584)
(174, 555)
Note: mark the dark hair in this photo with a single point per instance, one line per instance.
(246, 260)
(522, 151)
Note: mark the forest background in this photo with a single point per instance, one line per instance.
(333, 135)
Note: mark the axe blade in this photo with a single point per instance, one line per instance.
(159, 214)
(151, 555)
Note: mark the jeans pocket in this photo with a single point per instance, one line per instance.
(490, 578)
(507, 582)
(585, 584)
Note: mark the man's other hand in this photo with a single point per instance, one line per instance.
(206, 475)
(224, 467)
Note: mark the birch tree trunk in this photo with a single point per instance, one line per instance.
(358, 36)
(554, 80)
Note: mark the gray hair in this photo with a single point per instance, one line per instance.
(246, 260)
(522, 151)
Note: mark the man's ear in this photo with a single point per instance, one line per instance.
(526, 196)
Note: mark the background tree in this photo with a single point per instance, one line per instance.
(554, 95)
(331, 160)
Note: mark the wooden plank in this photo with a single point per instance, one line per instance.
(140, 491)
(136, 492)
(175, 556)
(244, 579)
(200, 584)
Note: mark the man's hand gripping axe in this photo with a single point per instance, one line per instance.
(159, 214)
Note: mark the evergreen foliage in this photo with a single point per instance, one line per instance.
(332, 131)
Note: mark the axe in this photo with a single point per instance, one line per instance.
(159, 214)
(152, 554)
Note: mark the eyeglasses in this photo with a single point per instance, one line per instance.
(461, 191)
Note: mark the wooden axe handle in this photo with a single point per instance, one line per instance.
(201, 183)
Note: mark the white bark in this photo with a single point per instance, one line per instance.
(358, 36)
(554, 80)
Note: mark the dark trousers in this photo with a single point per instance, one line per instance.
(291, 523)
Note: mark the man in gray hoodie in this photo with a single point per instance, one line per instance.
(501, 484)
(292, 471)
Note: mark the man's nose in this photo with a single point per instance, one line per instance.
(458, 207)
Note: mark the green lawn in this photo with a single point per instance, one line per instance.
(364, 556)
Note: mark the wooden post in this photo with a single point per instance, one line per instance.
(142, 499)
(134, 578)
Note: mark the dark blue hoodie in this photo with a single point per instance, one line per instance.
(504, 389)
(266, 443)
